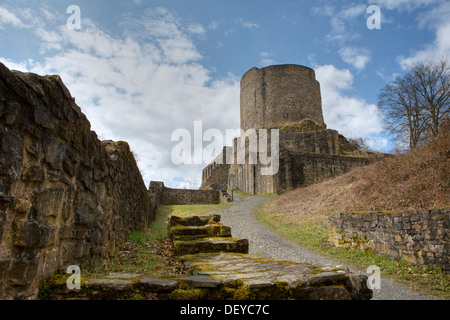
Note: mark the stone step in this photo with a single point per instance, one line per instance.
(211, 245)
(185, 233)
(193, 220)
(277, 279)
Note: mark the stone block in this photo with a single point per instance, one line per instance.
(25, 234)
(211, 245)
(158, 285)
(201, 281)
(111, 284)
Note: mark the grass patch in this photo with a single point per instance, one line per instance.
(138, 237)
(313, 234)
(151, 252)
(165, 211)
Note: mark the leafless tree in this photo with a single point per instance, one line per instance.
(401, 109)
(417, 103)
(432, 85)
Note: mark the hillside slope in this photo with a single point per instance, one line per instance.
(412, 180)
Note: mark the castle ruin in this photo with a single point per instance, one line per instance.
(287, 98)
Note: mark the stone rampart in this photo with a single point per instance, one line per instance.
(417, 236)
(66, 198)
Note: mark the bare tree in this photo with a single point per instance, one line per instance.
(400, 106)
(418, 102)
(432, 85)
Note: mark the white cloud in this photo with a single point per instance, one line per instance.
(232, 25)
(438, 49)
(141, 89)
(437, 19)
(351, 116)
(266, 59)
(353, 12)
(196, 28)
(213, 25)
(341, 21)
(247, 24)
(357, 57)
(7, 17)
(403, 5)
(12, 65)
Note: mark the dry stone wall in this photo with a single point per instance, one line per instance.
(66, 198)
(417, 236)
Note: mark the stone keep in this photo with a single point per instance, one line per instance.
(279, 95)
(287, 98)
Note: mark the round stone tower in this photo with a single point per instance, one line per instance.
(279, 95)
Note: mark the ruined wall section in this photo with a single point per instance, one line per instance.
(66, 198)
(171, 196)
(305, 158)
(279, 95)
(215, 175)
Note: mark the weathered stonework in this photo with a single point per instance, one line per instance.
(286, 98)
(417, 236)
(215, 175)
(169, 196)
(305, 158)
(279, 95)
(219, 272)
(66, 198)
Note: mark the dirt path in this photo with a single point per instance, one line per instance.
(266, 243)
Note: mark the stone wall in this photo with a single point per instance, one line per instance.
(170, 196)
(417, 236)
(66, 198)
(305, 157)
(287, 98)
(215, 175)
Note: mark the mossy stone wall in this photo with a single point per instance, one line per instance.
(66, 197)
(417, 236)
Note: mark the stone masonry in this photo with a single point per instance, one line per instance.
(286, 98)
(221, 269)
(170, 196)
(66, 198)
(417, 236)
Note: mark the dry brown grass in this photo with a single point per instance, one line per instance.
(412, 180)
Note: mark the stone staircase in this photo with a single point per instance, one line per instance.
(222, 264)
(194, 235)
(222, 269)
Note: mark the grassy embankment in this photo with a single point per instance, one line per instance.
(151, 252)
(413, 180)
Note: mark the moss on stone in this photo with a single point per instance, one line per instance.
(187, 291)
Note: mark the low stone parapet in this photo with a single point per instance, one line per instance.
(416, 236)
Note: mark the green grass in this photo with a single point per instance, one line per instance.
(138, 237)
(150, 252)
(313, 235)
(164, 212)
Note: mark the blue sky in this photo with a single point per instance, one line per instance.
(142, 69)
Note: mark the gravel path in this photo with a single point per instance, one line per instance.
(266, 243)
